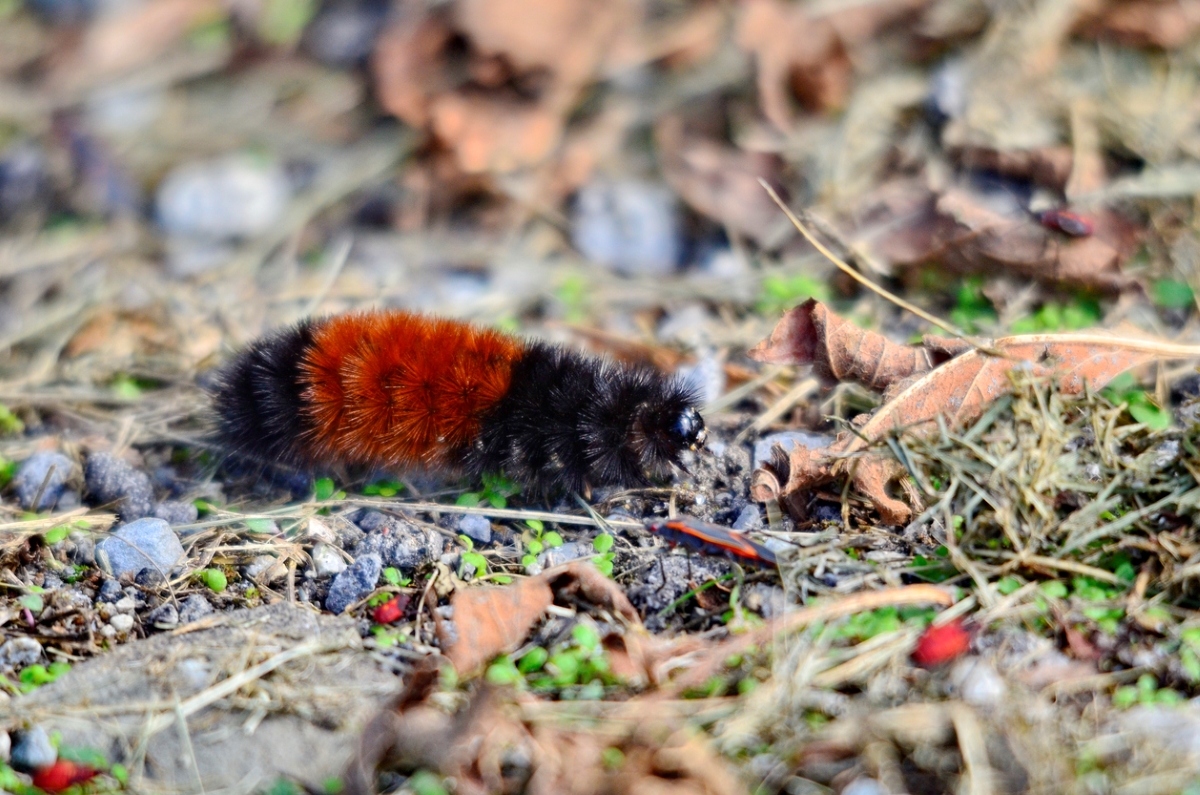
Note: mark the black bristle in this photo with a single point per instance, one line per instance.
(569, 422)
(259, 399)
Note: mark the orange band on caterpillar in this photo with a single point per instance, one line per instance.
(397, 390)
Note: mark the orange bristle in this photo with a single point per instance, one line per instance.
(402, 390)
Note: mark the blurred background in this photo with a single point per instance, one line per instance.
(177, 176)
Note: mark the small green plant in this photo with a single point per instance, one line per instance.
(471, 558)
(1145, 692)
(537, 539)
(972, 307)
(383, 488)
(1143, 409)
(424, 782)
(324, 489)
(56, 534)
(34, 676)
(573, 295)
(9, 422)
(780, 293)
(1172, 294)
(577, 668)
(7, 470)
(496, 491)
(282, 21)
(261, 525)
(603, 545)
(863, 626)
(392, 576)
(1079, 313)
(386, 637)
(32, 601)
(214, 580)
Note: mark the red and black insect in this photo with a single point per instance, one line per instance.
(711, 539)
(1067, 222)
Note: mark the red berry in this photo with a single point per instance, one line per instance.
(62, 774)
(388, 612)
(942, 644)
(1068, 223)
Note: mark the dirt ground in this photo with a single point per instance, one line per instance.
(964, 424)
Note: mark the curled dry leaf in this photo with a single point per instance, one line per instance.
(957, 392)
(840, 351)
(491, 620)
(806, 56)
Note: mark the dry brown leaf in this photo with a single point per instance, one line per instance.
(491, 620)
(1047, 166)
(495, 134)
(840, 351)
(408, 64)
(905, 224)
(806, 56)
(486, 749)
(721, 182)
(1141, 23)
(957, 392)
(127, 40)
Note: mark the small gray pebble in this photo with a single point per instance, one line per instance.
(397, 542)
(150, 577)
(18, 653)
(227, 197)
(165, 615)
(749, 519)
(555, 556)
(788, 440)
(134, 546)
(476, 527)
(110, 479)
(110, 591)
(84, 553)
(354, 583)
(33, 750)
(176, 512)
(193, 608)
(35, 471)
(327, 561)
(630, 225)
(51, 582)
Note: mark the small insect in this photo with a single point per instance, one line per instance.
(711, 539)
(1067, 222)
(402, 391)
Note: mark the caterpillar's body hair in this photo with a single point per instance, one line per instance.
(402, 391)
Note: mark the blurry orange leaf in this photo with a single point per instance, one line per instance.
(494, 134)
(407, 65)
(1141, 23)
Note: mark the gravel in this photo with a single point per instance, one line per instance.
(163, 616)
(134, 546)
(476, 527)
(112, 480)
(176, 512)
(36, 470)
(18, 653)
(630, 225)
(397, 542)
(110, 591)
(327, 561)
(354, 583)
(33, 750)
(194, 608)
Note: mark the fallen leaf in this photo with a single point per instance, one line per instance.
(495, 134)
(1141, 23)
(504, 742)
(408, 64)
(906, 224)
(721, 182)
(1047, 166)
(957, 392)
(491, 620)
(805, 56)
(840, 351)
